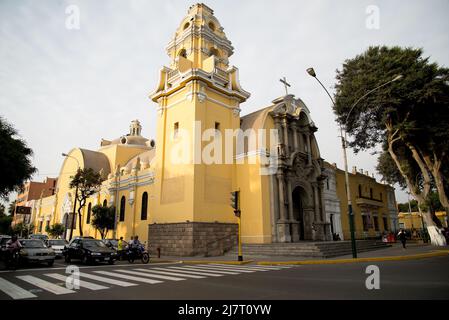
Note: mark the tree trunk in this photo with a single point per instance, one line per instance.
(436, 236)
(435, 169)
(80, 222)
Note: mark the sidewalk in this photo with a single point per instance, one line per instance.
(395, 252)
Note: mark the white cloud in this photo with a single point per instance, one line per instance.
(64, 88)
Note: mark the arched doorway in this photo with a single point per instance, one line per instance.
(65, 223)
(299, 200)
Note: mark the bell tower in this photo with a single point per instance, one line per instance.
(198, 91)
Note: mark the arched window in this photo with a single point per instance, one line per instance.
(122, 208)
(211, 26)
(213, 52)
(182, 53)
(144, 208)
(105, 203)
(360, 191)
(371, 193)
(89, 211)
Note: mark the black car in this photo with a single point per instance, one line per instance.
(89, 251)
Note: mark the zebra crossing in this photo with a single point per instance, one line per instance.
(96, 280)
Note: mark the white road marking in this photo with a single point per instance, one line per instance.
(124, 276)
(168, 273)
(209, 270)
(257, 268)
(227, 268)
(149, 275)
(85, 267)
(107, 280)
(83, 284)
(43, 284)
(202, 273)
(14, 291)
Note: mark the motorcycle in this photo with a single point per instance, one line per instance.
(12, 260)
(138, 253)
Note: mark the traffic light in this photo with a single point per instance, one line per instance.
(235, 202)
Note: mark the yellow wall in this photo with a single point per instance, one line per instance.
(414, 220)
(378, 204)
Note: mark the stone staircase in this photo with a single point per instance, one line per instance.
(324, 249)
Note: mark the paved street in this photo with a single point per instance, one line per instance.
(417, 279)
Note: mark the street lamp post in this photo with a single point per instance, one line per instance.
(312, 73)
(76, 196)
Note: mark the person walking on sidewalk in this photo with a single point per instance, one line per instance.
(402, 236)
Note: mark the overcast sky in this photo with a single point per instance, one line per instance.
(65, 88)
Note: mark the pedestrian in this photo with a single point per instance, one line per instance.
(120, 248)
(402, 235)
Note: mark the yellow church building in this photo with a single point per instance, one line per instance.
(174, 191)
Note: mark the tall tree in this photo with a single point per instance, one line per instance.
(5, 224)
(88, 183)
(103, 219)
(15, 160)
(409, 118)
(12, 207)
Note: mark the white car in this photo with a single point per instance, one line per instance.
(57, 245)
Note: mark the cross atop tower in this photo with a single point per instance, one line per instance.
(286, 84)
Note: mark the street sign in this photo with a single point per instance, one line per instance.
(23, 210)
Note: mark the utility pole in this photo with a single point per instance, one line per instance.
(312, 73)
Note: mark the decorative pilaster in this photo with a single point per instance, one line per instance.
(309, 149)
(283, 226)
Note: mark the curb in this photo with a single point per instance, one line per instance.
(216, 262)
(439, 253)
(163, 261)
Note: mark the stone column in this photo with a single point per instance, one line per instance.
(285, 127)
(317, 223)
(309, 153)
(283, 228)
(327, 234)
(294, 224)
(282, 213)
(277, 123)
(295, 137)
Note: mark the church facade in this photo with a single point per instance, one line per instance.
(174, 191)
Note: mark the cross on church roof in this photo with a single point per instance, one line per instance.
(286, 84)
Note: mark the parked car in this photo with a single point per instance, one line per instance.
(3, 240)
(89, 251)
(35, 250)
(57, 245)
(42, 237)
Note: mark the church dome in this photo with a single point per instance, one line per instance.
(133, 138)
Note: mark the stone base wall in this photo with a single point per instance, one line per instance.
(192, 238)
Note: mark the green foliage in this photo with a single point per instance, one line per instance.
(56, 230)
(23, 229)
(5, 224)
(15, 160)
(88, 183)
(417, 104)
(2, 210)
(103, 219)
(403, 207)
(411, 114)
(12, 207)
